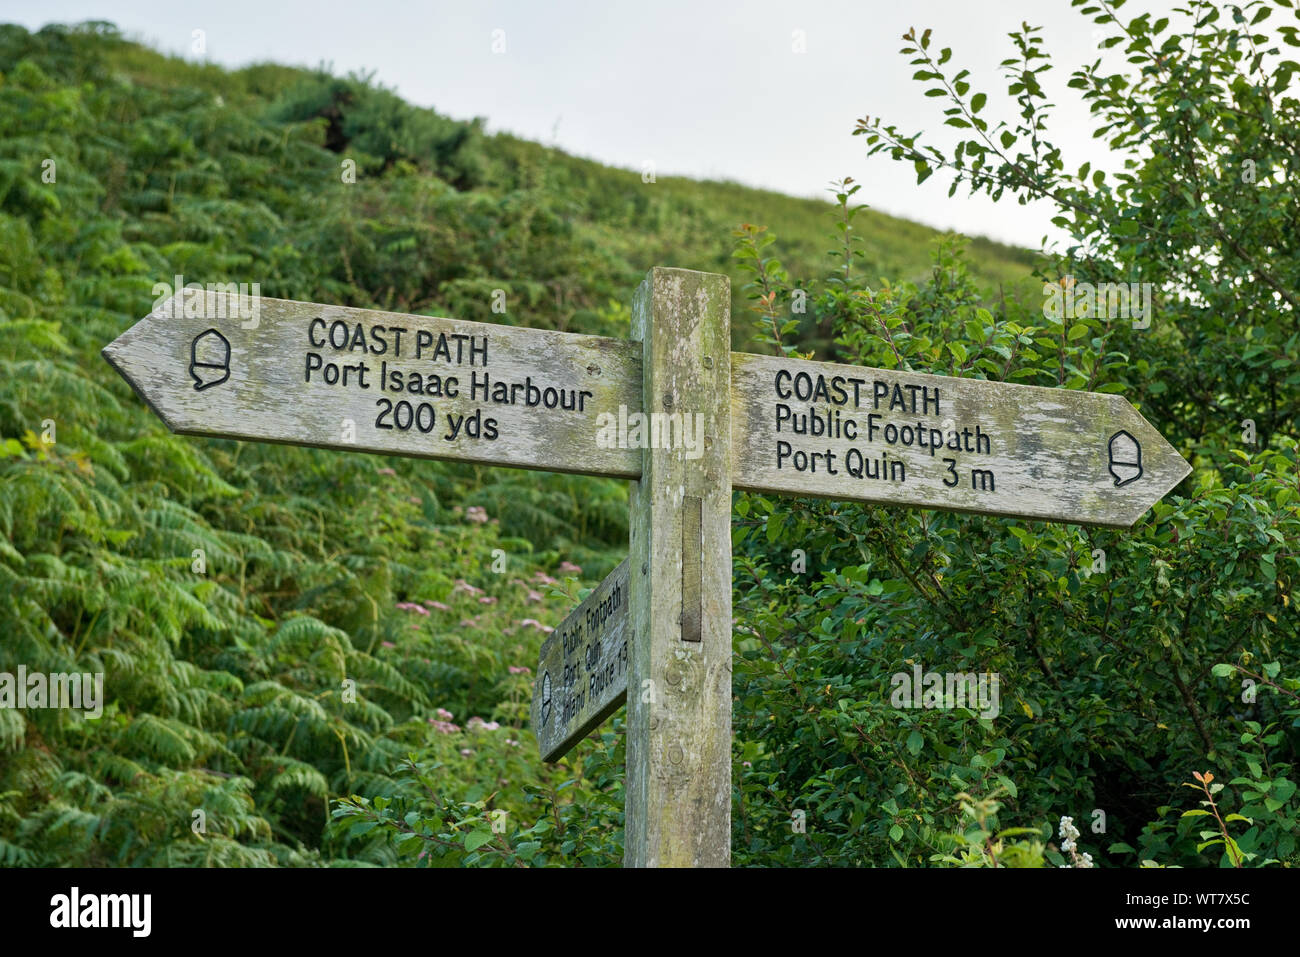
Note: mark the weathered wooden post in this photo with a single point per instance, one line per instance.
(678, 811)
(657, 630)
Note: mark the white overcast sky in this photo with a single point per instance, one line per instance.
(702, 89)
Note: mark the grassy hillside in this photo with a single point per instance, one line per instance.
(229, 592)
(674, 221)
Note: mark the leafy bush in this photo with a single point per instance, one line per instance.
(379, 126)
(1106, 643)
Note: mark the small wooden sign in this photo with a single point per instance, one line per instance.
(582, 669)
(965, 445)
(361, 380)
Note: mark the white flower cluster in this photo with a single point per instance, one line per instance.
(1070, 833)
(1069, 844)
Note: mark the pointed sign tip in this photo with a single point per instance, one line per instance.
(116, 354)
(1180, 474)
(111, 352)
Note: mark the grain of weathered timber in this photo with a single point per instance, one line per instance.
(581, 676)
(285, 381)
(678, 810)
(966, 445)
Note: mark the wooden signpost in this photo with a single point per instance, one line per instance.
(964, 445)
(582, 667)
(361, 380)
(674, 410)
(678, 787)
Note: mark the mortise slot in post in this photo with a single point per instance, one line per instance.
(692, 545)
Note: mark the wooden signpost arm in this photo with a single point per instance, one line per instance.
(678, 811)
(656, 409)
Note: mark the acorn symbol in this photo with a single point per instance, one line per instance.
(209, 359)
(1125, 458)
(546, 698)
